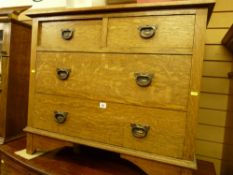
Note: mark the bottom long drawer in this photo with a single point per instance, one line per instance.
(139, 128)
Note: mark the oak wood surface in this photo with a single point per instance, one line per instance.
(195, 85)
(136, 153)
(15, 78)
(87, 35)
(104, 77)
(227, 41)
(217, 53)
(87, 121)
(175, 4)
(65, 161)
(116, 32)
(18, 78)
(113, 62)
(121, 30)
(221, 20)
(216, 85)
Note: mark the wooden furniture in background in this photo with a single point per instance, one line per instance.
(228, 39)
(124, 78)
(66, 161)
(15, 43)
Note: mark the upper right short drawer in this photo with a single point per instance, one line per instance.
(152, 34)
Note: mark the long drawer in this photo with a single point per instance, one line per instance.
(147, 80)
(138, 128)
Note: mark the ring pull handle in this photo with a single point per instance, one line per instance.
(139, 131)
(63, 73)
(143, 79)
(147, 31)
(67, 34)
(60, 117)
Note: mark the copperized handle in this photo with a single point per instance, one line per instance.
(143, 79)
(60, 117)
(139, 131)
(63, 73)
(147, 31)
(67, 34)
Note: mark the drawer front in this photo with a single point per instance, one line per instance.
(82, 35)
(112, 125)
(147, 80)
(162, 34)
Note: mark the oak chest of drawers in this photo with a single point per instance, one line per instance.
(120, 78)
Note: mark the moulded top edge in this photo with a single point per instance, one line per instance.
(121, 7)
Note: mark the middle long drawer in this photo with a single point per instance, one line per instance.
(140, 79)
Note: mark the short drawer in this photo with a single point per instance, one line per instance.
(147, 80)
(113, 125)
(79, 35)
(160, 34)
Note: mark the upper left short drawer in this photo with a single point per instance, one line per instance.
(76, 35)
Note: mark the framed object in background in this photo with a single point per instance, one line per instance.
(120, 1)
(151, 1)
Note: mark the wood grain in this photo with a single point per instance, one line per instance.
(215, 36)
(15, 79)
(105, 73)
(104, 77)
(210, 149)
(216, 69)
(112, 125)
(223, 5)
(216, 85)
(215, 117)
(153, 168)
(195, 84)
(217, 53)
(118, 32)
(227, 41)
(221, 20)
(87, 35)
(213, 133)
(214, 101)
(127, 7)
(65, 161)
(18, 78)
(87, 161)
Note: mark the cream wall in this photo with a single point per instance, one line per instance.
(215, 128)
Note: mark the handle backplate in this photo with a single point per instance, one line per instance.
(63, 73)
(67, 34)
(143, 79)
(139, 131)
(147, 31)
(60, 117)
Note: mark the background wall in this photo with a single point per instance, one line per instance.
(215, 128)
